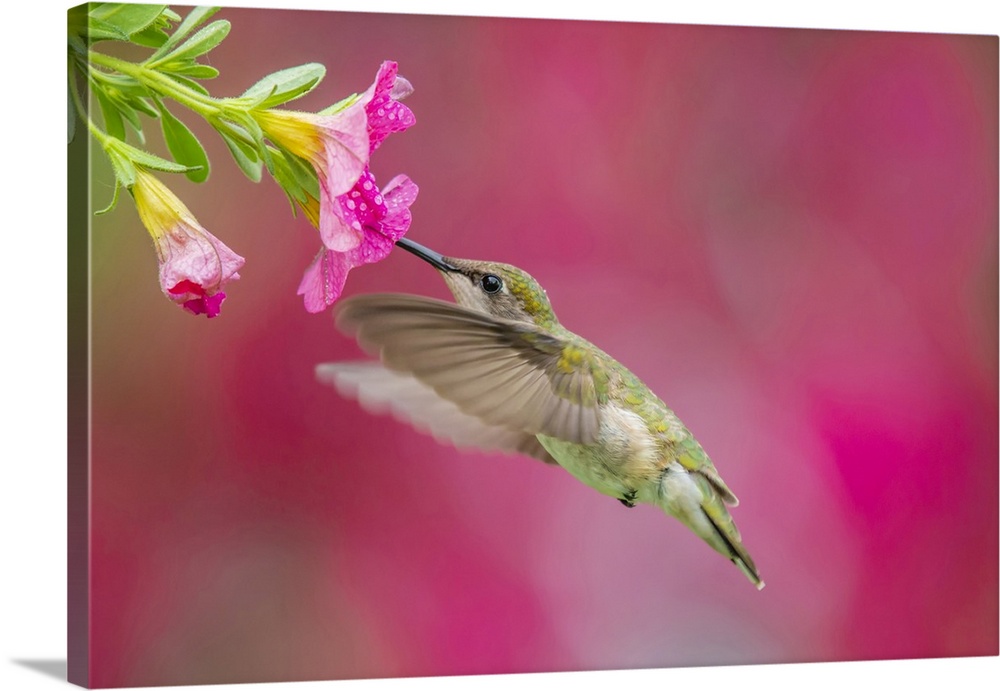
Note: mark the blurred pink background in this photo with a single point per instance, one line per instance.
(790, 235)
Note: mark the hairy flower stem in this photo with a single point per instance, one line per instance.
(206, 106)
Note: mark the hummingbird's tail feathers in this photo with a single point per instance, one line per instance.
(696, 502)
(735, 550)
(382, 391)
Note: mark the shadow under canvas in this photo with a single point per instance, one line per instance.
(49, 667)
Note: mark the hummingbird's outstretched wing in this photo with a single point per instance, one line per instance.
(509, 374)
(380, 390)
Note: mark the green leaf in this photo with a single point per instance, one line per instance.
(76, 26)
(183, 145)
(295, 176)
(235, 132)
(256, 135)
(144, 158)
(304, 175)
(243, 151)
(251, 166)
(139, 103)
(77, 44)
(128, 113)
(192, 21)
(127, 106)
(282, 176)
(128, 19)
(190, 69)
(190, 83)
(285, 85)
(199, 44)
(113, 123)
(148, 160)
(254, 131)
(99, 30)
(143, 106)
(151, 37)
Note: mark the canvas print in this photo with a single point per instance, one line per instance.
(410, 345)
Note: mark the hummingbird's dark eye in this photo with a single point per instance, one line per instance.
(490, 283)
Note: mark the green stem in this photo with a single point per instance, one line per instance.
(205, 106)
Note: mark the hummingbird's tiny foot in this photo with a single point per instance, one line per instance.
(629, 499)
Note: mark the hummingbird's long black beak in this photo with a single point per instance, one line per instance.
(430, 256)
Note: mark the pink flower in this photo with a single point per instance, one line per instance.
(361, 225)
(194, 264)
(384, 218)
(381, 102)
(340, 222)
(339, 145)
(336, 145)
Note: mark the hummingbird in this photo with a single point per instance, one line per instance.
(499, 372)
